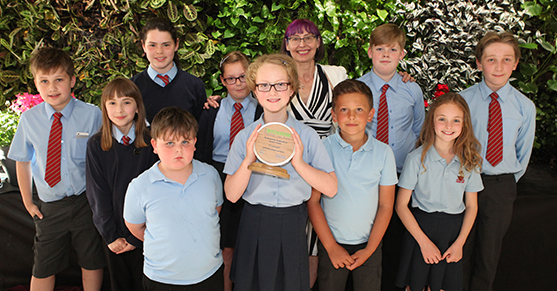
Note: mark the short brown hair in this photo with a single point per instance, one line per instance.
(275, 59)
(234, 57)
(387, 34)
(352, 86)
(494, 37)
(48, 60)
(174, 121)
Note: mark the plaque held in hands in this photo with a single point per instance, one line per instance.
(274, 147)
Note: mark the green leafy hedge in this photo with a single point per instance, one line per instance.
(102, 36)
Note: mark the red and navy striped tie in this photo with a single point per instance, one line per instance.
(382, 134)
(237, 122)
(494, 153)
(54, 153)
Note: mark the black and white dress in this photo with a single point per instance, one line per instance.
(316, 113)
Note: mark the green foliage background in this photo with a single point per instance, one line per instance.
(102, 36)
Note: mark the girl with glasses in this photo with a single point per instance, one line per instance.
(215, 137)
(271, 249)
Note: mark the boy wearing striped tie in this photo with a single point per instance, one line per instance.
(398, 121)
(50, 145)
(504, 122)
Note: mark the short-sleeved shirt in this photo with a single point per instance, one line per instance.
(440, 186)
(519, 126)
(80, 120)
(221, 131)
(406, 113)
(278, 192)
(351, 212)
(181, 245)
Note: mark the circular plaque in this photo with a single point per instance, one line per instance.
(274, 145)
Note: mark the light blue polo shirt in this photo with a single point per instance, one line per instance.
(351, 212)
(80, 121)
(437, 188)
(278, 192)
(221, 129)
(182, 236)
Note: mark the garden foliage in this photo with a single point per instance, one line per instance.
(103, 38)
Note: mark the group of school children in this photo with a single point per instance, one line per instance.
(128, 173)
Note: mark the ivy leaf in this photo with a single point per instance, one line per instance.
(276, 7)
(552, 85)
(228, 33)
(382, 14)
(533, 9)
(216, 34)
(528, 87)
(252, 29)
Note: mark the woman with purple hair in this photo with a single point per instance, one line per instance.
(312, 105)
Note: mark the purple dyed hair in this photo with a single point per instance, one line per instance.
(299, 26)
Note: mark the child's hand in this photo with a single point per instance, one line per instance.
(127, 248)
(359, 257)
(406, 77)
(34, 210)
(212, 101)
(118, 245)
(430, 252)
(250, 153)
(339, 257)
(453, 254)
(298, 157)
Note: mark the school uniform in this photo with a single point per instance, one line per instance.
(406, 117)
(406, 113)
(108, 174)
(183, 90)
(271, 249)
(66, 212)
(213, 145)
(438, 206)
(181, 245)
(351, 212)
(495, 203)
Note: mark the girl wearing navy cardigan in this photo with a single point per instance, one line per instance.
(116, 155)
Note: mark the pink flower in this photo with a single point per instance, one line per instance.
(26, 101)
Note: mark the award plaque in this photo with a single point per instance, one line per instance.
(274, 147)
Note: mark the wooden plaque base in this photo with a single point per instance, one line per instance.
(269, 170)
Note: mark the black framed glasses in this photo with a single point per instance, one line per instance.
(296, 40)
(266, 87)
(232, 80)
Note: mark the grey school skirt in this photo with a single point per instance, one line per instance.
(271, 249)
